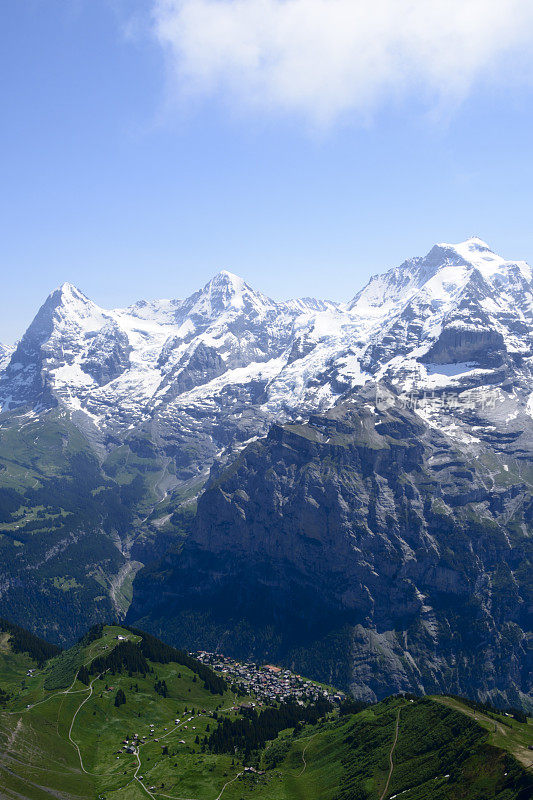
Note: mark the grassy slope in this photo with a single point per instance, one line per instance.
(504, 732)
(335, 759)
(13, 666)
(35, 741)
(64, 517)
(348, 758)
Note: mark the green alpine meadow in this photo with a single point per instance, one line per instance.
(123, 715)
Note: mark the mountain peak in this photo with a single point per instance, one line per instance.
(443, 271)
(66, 305)
(66, 293)
(226, 281)
(469, 249)
(226, 275)
(473, 243)
(225, 292)
(476, 253)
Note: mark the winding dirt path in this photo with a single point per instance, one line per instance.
(227, 784)
(164, 736)
(46, 699)
(391, 754)
(57, 694)
(135, 774)
(517, 749)
(303, 755)
(90, 688)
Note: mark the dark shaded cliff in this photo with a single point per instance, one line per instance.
(361, 548)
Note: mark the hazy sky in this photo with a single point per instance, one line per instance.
(303, 144)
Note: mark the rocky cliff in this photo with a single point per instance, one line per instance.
(364, 548)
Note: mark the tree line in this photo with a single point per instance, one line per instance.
(254, 729)
(125, 656)
(156, 650)
(22, 641)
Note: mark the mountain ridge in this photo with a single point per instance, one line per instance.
(357, 546)
(131, 365)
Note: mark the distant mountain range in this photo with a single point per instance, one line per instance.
(111, 422)
(227, 361)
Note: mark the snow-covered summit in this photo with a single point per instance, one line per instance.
(444, 271)
(224, 362)
(225, 293)
(65, 307)
(477, 253)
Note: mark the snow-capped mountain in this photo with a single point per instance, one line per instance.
(6, 351)
(213, 370)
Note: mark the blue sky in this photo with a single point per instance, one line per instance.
(139, 158)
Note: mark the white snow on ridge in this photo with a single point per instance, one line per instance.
(164, 356)
(477, 252)
(6, 351)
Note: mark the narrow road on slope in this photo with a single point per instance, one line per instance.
(173, 730)
(303, 755)
(227, 784)
(74, 720)
(57, 694)
(391, 754)
(516, 748)
(139, 781)
(46, 699)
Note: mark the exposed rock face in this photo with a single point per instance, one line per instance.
(459, 345)
(194, 369)
(108, 355)
(364, 548)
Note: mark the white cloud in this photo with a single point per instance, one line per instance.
(323, 59)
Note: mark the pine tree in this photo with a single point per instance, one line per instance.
(83, 675)
(120, 698)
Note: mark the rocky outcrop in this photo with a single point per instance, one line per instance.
(108, 355)
(462, 344)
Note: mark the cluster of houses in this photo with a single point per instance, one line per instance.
(131, 745)
(267, 683)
